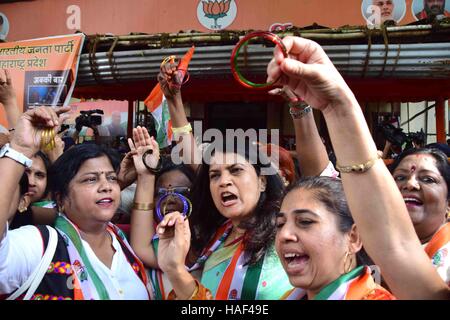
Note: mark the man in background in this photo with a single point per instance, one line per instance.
(115, 129)
(432, 8)
(386, 9)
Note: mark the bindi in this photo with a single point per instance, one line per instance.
(413, 168)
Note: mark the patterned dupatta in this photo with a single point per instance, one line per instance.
(239, 281)
(87, 284)
(358, 284)
(437, 243)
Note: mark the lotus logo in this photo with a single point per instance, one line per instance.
(208, 10)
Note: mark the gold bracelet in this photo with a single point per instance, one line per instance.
(143, 206)
(185, 129)
(358, 168)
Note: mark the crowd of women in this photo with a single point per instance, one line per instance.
(250, 235)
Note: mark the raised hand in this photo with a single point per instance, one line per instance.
(58, 150)
(309, 73)
(7, 94)
(127, 172)
(29, 128)
(141, 143)
(174, 242)
(169, 79)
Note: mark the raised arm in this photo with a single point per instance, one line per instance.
(373, 197)
(174, 242)
(8, 98)
(170, 84)
(144, 148)
(25, 140)
(311, 152)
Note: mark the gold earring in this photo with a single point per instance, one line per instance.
(347, 267)
(22, 209)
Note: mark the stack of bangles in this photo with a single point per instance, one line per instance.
(182, 74)
(299, 109)
(187, 205)
(182, 130)
(48, 140)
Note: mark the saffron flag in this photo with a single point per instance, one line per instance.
(156, 103)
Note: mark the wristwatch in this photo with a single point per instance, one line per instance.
(7, 151)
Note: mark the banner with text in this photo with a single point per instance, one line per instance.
(43, 71)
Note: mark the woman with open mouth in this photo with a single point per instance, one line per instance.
(319, 246)
(84, 256)
(377, 205)
(232, 232)
(232, 223)
(423, 178)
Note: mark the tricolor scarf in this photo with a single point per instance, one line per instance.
(438, 249)
(44, 204)
(87, 284)
(358, 284)
(439, 240)
(239, 281)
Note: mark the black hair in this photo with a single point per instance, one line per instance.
(168, 166)
(441, 162)
(330, 192)
(67, 165)
(260, 226)
(23, 184)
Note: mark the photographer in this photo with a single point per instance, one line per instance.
(95, 132)
(395, 139)
(398, 141)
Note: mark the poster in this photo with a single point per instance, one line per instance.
(377, 12)
(43, 71)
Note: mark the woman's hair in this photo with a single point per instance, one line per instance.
(23, 184)
(286, 163)
(168, 166)
(67, 165)
(47, 165)
(260, 225)
(330, 193)
(441, 162)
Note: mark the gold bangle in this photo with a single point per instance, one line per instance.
(358, 168)
(143, 206)
(48, 139)
(185, 129)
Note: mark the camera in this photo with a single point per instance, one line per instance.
(397, 137)
(88, 119)
(394, 135)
